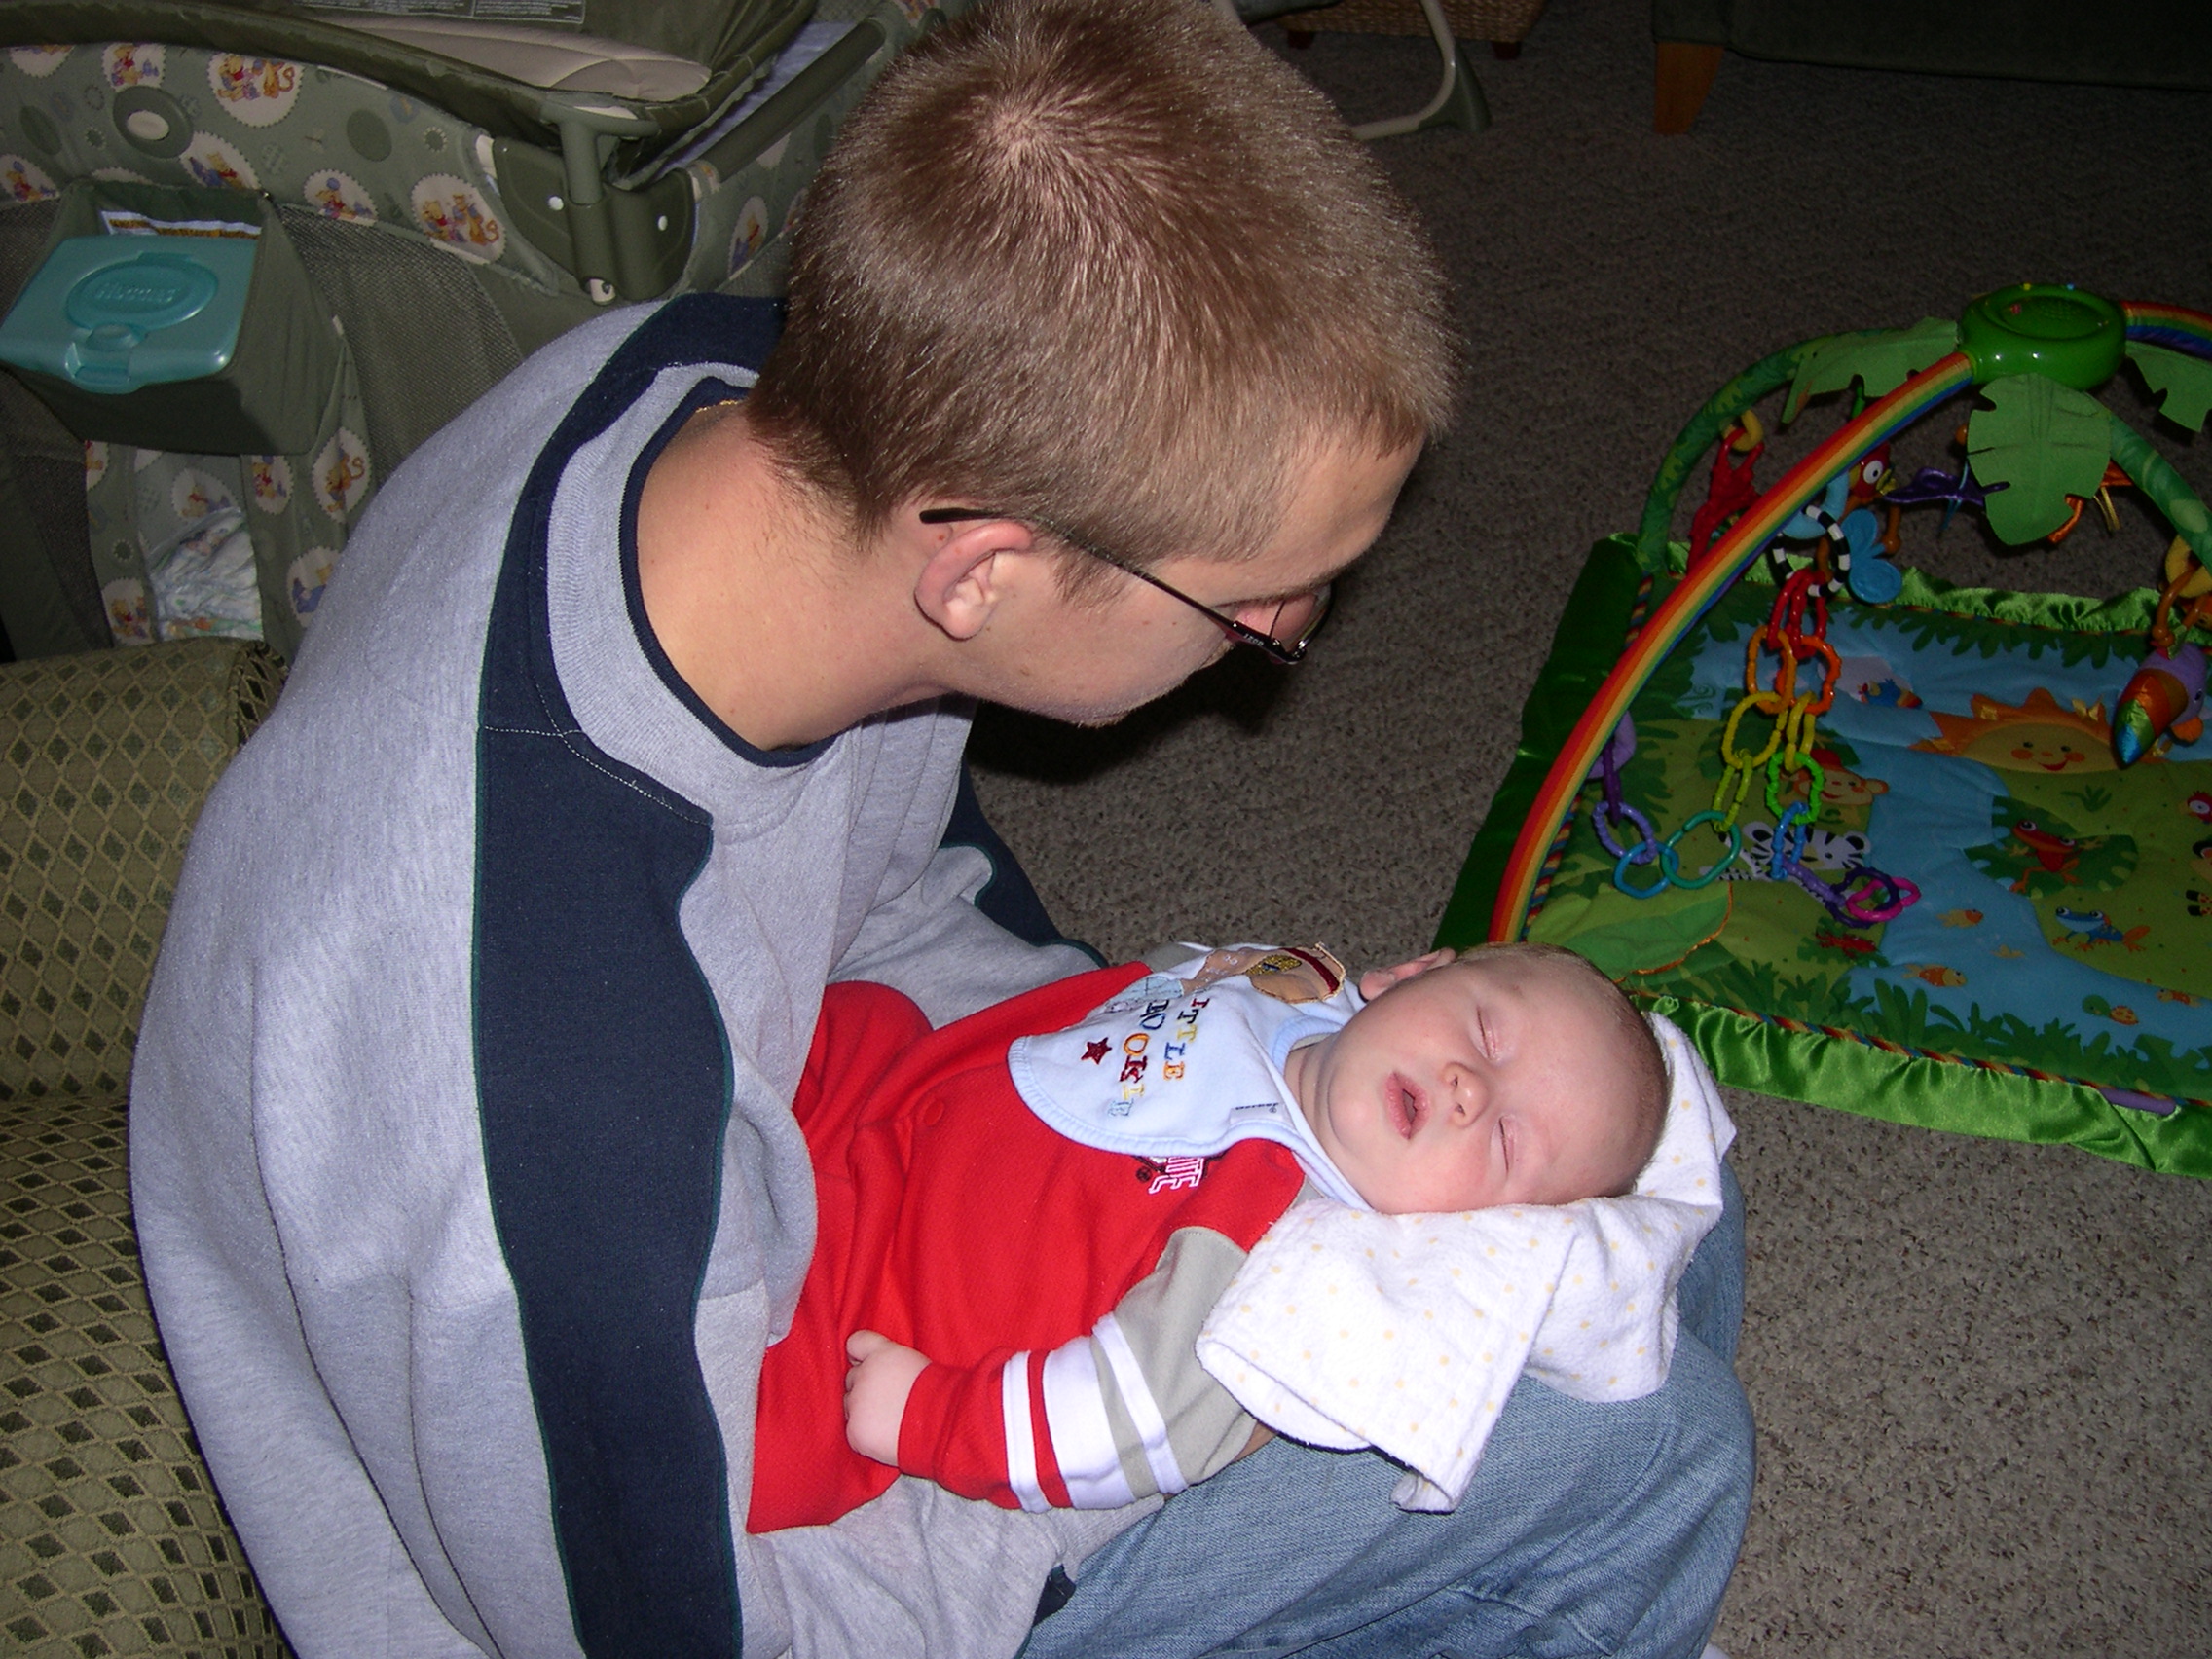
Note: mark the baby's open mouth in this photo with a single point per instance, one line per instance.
(1404, 1105)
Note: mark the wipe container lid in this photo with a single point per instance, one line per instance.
(112, 314)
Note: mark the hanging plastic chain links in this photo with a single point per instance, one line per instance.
(1794, 715)
(1648, 848)
(1867, 896)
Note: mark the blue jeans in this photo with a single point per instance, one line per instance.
(1588, 1530)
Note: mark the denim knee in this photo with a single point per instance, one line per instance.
(1590, 1530)
(1632, 1512)
(1674, 1547)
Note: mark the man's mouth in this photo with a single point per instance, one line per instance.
(1404, 1104)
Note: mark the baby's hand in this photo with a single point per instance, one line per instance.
(876, 1394)
(1376, 980)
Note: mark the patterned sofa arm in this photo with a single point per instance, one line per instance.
(111, 1538)
(104, 761)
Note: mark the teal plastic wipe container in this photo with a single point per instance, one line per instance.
(113, 313)
(208, 338)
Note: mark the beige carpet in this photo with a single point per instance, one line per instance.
(1982, 1373)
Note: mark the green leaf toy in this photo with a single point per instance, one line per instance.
(2043, 442)
(2185, 382)
(1880, 360)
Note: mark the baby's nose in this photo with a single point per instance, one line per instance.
(1465, 1088)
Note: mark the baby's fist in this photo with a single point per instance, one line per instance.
(876, 1394)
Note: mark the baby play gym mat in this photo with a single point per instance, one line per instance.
(1938, 855)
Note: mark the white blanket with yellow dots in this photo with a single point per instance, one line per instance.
(1406, 1333)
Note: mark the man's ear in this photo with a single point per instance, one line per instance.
(963, 581)
(1376, 980)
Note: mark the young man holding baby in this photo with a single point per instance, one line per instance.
(466, 1173)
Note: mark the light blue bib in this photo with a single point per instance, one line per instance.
(1163, 1071)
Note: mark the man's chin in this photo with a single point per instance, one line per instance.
(1083, 717)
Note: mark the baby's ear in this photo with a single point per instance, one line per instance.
(1376, 980)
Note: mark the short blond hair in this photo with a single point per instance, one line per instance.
(1104, 263)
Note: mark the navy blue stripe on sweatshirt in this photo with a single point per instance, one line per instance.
(603, 1083)
(1007, 897)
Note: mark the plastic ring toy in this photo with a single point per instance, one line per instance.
(1621, 867)
(1767, 703)
(1827, 654)
(1643, 852)
(1672, 860)
(1819, 782)
(1856, 889)
(1903, 895)
(1741, 776)
(1786, 671)
(1799, 732)
(1790, 839)
(1814, 594)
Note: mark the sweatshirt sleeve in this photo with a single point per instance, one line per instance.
(1118, 1414)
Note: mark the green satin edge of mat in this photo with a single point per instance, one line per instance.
(1936, 1095)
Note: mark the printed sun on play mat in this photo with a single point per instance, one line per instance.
(1942, 856)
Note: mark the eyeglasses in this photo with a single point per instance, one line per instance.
(1277, 649)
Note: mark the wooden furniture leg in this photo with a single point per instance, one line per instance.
(1685, 72)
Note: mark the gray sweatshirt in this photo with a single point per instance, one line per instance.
(461, 1154)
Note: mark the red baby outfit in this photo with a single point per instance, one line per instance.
(1057, 1290)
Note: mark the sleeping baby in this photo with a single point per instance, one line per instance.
(1026, 1217)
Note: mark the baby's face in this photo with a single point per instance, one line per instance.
(1496, 1080)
